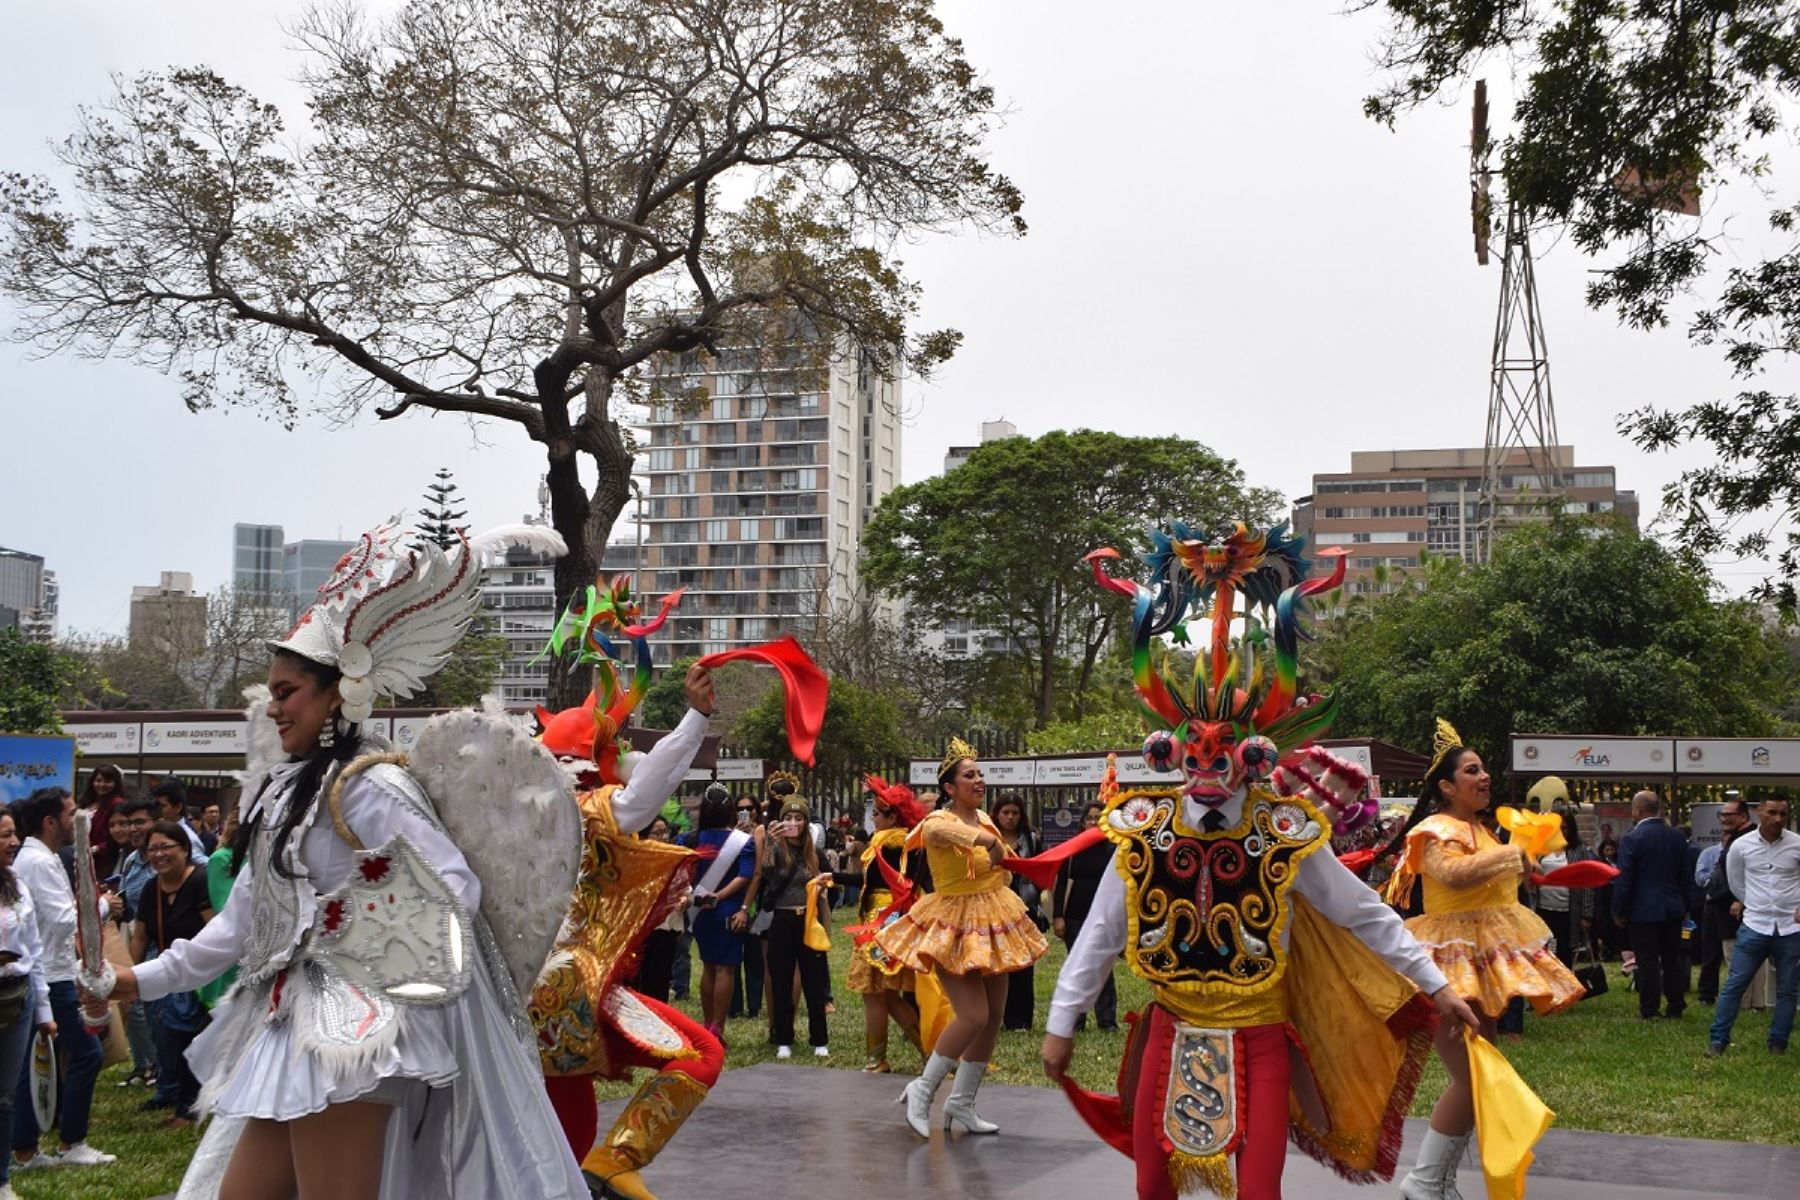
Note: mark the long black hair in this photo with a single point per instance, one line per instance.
(717, 809)
(307, 784)
(1430, 798)
(9, 883)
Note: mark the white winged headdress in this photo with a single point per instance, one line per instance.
(393, 609)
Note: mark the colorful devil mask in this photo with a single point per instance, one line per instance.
(1231, 723)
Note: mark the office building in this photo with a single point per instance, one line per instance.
(169, 618)
(30, 591)
(256, 564)
(961, 637)
(757, 498)
(285, 575)
(1392, 504)
(306, 565)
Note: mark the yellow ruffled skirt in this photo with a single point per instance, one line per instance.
(986, 933)
(866, 979)
(1491, 955)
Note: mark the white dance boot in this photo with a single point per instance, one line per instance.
(960, 1107)
(920, 1092)
(1433, 1177)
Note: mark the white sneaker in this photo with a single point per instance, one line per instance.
(43, 1160)
(821, 1051)
(6, 1192)
(83, 1155)
(784, 1052)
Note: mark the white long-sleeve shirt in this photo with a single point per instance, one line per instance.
(19, 936)
(659, 773)
(40, 869)
(1765, 875)
(1325, 882)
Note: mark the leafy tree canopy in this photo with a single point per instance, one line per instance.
(506, 208)
(863, 730)
(999, 540)
(1625, 111)
(1573, 628)
(33, 678)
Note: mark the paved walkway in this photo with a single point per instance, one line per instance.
(812, 1134)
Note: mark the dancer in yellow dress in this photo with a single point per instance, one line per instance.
(970, 931)
(883, 990)
(1489, 946)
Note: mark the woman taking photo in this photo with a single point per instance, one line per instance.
(1021, 841)
(971, 931)
(1489, 946)
(727, 863)
(176, 904)
(791, 900)
(413, 1082)
(24, 996)
(896, 811)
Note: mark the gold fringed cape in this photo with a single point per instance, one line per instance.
(627, 887)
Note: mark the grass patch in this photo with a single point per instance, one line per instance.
(1597, 1065)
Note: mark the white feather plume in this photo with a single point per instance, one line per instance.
(511, 808)
(263, 741)
(540, 538)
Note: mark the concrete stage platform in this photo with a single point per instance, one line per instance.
(803, 1133)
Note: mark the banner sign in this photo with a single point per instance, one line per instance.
(406, 732)
(107, 741)
(1619, 757)
(211, 737)
(1744, 758)
(29, 762)
(739, 770)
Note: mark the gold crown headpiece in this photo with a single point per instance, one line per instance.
(776, 777)
(958, 751)
(1445, 741)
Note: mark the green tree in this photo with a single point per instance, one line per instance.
(506, 208)
(441, 522)
(110, 673)
(736, 688)
(1625, 112)
(1573, 628)
(862, 728)
(33, 678)
(999, 541)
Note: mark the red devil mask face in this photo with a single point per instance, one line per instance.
(1212, 757)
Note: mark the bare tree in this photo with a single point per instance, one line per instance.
(504, 208)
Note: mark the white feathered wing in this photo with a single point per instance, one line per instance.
(512, 809)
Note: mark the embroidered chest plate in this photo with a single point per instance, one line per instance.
(1207, 910)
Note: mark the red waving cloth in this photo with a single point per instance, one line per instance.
(1357, 861)
(1105, 1115)
(1041, 869)
(805, 686)
(1589, 874)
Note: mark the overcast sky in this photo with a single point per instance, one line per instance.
(1221, 246)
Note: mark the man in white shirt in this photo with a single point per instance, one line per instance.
(1764, 871)
(47, 819)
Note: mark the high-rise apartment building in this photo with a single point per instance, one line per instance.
(961, 637)
(1391, 504)
(757, 499)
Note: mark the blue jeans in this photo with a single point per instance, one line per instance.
(15, 1043)
(81, 1057)
(1751, 951)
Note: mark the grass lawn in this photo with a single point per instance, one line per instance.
(1597, 1065)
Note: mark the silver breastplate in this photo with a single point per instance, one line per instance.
(281, 909)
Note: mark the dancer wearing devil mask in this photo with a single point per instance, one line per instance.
(1287, 996)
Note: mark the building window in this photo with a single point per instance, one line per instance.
(747, 531)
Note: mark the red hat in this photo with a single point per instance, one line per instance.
(898, 797)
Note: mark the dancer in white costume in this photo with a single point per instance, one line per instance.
(389, 913)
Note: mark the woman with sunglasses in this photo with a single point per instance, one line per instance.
(972, 931)
(880, 981)
(174, 906)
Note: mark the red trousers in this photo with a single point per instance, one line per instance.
(572, 1096)
(1262, 1150)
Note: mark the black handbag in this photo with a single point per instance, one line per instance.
(1592, 976)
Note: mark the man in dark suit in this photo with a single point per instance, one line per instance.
(1651, 898)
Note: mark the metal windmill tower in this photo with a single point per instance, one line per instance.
(1521, 416)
